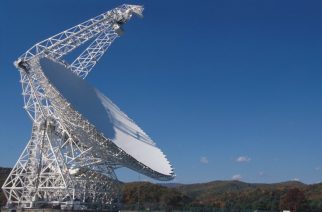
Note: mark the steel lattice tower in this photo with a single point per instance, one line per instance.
(56, 168)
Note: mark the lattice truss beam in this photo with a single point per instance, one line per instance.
(55, 167)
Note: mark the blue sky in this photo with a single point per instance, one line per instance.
(227, 89)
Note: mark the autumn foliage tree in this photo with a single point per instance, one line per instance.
(294, 200)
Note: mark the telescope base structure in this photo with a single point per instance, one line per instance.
(43, 177)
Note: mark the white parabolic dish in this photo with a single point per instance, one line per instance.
(105, 116)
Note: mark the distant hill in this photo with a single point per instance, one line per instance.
(229, 195)
(170, 185)
(221, 187)
(241, 196)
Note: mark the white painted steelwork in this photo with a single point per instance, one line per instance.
(70, 159)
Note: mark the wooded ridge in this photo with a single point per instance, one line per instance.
(230, 195)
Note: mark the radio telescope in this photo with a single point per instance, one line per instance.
(79, 136)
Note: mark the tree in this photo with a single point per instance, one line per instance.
(294, 200)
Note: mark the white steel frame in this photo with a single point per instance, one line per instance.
(57, 167)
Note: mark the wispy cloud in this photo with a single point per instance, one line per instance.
(318, 168)
(243, 159)
(204, 160)
(296, 179)
(236, 177)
